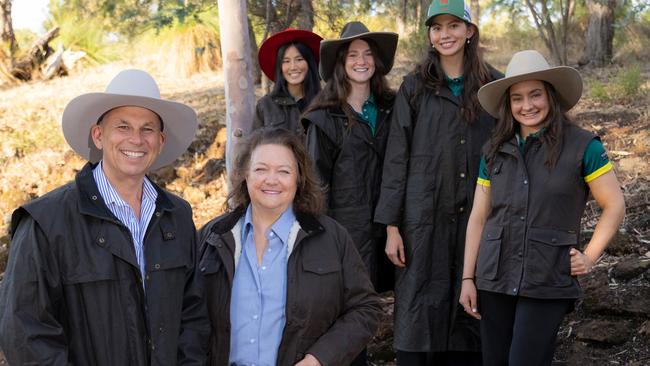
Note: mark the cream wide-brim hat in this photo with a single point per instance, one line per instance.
(531, 65)
(129, 88)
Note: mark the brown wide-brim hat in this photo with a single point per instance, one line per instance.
(531, 65)
(268, 52)
(386, 43)
(129, 88)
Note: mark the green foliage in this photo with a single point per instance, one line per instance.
(629, 81)
(624, 86)
(599, 92)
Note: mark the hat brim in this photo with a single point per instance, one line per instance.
(267, 54)
(386, 43)
(566, 81)
(180, 123)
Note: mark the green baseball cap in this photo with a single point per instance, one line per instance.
(457, 8)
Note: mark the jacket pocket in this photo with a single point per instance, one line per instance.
(489, 252)
(321, 267)
(548, 262)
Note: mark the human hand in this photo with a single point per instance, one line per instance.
(395, 246)
(468, 298)
(581, 264)
(309, 360)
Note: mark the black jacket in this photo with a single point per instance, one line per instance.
(534, 219)
(73, 292)
(430, 172)
(332, 311)
(349, 160)
(278, 111)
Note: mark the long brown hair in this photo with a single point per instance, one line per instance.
(336, 91)
(476, 73)
(507, 126)
(309, 198)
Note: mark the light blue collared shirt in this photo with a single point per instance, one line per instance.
(259, 294)
(124, 212)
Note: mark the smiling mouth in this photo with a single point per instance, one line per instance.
(270, 191)
(132, 154)
(361, 69)
(447, 44)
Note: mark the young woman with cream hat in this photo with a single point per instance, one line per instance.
(523, 237)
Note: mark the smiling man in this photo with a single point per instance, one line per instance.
(102, 271)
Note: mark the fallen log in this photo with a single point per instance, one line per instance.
(26, 66)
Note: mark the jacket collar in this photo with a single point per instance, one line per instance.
(90, 201)
(309, 223)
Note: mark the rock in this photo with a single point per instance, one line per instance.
(604, 331)
(623, 244)
(630, 267)
(617, 300)
(4, 253)
(164, 175)
(644, 331)
(217, 149)
(183, 172)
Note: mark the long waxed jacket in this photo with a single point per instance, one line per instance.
(278, 111)
(430, 172)
(349, 160)
(331, 311)
(73, 293)
(534, 219)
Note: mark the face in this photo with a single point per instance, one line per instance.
(130, 139)
(272, 178)
(449, 34)
(529, 104)
(294, 66)
(359, 62)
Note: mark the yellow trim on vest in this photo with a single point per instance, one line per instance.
(483, 182)
(600, 171)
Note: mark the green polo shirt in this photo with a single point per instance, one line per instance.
(369, 113)
(594, 161)
(455, 85)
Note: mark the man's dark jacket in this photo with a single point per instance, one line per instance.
(73, 292)
(332, 311)
(430, 171)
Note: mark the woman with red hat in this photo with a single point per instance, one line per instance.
(289, 59)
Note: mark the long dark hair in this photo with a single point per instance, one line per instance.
(311, 84)
(476, 73)
(309, 199)
(552, 137)
(336, 91)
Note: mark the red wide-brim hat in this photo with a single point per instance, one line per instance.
(269, 49)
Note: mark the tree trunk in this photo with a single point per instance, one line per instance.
(306, 15)
(238, 73)
(257, 72)
(7, 27)
(476, 11)
(27, 66)
(600, 33)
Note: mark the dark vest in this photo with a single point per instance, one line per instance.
(534, 219)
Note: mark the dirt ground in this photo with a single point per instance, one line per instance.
(34, 159)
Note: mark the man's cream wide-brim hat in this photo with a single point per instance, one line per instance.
(129, 88)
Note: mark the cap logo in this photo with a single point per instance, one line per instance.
(444, 2)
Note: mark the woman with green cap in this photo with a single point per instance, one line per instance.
(434, 149)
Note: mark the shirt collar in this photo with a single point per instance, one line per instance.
(110, 195)
(281, 227)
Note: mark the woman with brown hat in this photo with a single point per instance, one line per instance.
(524, 230)
(289, 59)
(347, 127)
(428, 182)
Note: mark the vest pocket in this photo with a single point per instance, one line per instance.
(548, 262)
(489, 252)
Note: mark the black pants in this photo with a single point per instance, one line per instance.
(518, 330)
(438, 358)
(361, 359)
